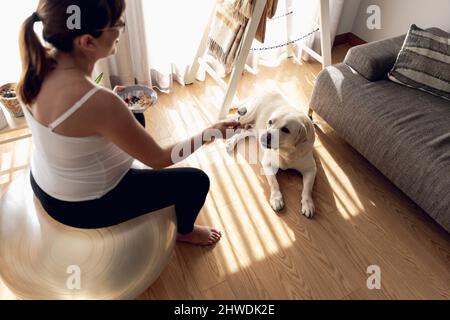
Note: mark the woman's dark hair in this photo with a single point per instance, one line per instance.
(36, 62)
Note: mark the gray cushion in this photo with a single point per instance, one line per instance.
(424, 62)
(374, 60)
(404, 132)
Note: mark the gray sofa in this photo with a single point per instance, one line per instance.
(403, 132)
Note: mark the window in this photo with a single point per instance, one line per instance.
(11, 18)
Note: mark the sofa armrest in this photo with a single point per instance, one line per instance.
(374, 60)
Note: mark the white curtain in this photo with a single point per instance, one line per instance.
(162, 37)
(160, 42)
(294, 19)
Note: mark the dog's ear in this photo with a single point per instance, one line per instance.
(310, 132)
(301, 135)
(306, 132)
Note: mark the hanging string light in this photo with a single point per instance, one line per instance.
(285, 15)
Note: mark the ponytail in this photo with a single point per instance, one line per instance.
(35, 62)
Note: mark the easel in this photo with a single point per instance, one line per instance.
(249, 35)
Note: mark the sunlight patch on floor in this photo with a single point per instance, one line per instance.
(250, 235)
(238, 204)
(345, 194)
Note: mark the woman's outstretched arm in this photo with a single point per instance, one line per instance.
(116, 123)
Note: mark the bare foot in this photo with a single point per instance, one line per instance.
(201, 236)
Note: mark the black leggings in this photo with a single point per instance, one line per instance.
(141, 191)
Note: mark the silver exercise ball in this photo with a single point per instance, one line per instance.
(43, 259)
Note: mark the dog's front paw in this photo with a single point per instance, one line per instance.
(308, 208)
(276, 201)
(230, 146)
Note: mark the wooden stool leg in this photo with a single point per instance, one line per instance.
(239, 67)
(325, 33)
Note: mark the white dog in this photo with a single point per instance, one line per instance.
(287, 138)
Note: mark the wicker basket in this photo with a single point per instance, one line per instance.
(12, 104)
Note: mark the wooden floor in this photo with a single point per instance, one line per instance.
(362, 219)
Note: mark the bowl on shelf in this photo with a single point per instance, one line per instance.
(9, 99)
(138, 98)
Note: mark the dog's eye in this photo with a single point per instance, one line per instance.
(270, 122)
(285, 130)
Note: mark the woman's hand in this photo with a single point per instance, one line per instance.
(223, 126)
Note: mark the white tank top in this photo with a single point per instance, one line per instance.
(75, 169)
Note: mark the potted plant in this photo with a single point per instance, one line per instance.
(99, 78)
(9, 99)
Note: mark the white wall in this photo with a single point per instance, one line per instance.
(398, 15)
(349, 12)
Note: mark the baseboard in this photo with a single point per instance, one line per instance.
(354, 40)
(348, 38)
(341, 39)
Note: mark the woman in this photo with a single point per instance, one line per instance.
(86, 138)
